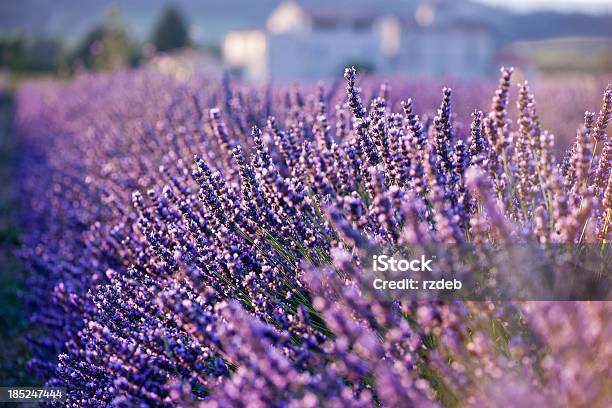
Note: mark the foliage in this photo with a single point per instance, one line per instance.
(106, 47)
(20, 53)
(170, 32)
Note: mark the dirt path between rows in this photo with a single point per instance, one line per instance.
(13, 321)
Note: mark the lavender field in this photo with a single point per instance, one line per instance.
(203, 244)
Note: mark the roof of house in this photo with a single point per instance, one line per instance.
(443, 15)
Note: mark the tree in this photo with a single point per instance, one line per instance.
(170, 31)
(106, 47)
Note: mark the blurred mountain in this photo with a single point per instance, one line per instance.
(542, 25)
(210, 20)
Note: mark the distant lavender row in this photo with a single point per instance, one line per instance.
(200, 244)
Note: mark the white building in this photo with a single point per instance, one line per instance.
(300, 42)
(460, 49)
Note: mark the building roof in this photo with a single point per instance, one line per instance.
(293, 15)
(437, 15)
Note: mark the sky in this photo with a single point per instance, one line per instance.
(591, 6)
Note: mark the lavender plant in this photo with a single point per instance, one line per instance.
(204, 245)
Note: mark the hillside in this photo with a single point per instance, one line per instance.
(212, 19)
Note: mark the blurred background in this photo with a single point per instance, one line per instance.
(291, 40)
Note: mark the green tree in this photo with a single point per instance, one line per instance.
(106, 47)
(170, 31)
(21, 53)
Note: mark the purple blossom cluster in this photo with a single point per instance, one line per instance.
(202, 244)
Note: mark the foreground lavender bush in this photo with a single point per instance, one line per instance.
(185, 255)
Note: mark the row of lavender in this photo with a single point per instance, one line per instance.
(191, 256)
